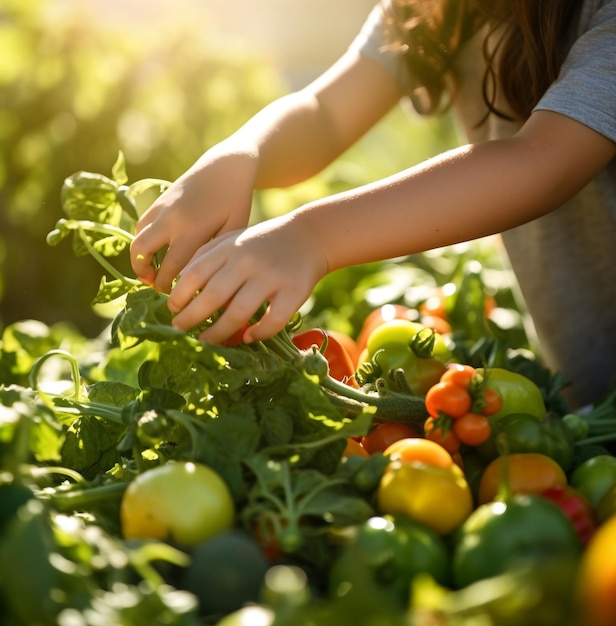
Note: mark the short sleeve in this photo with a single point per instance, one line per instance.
(372, 41)
(586, 87)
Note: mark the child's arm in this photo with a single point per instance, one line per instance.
(288, 141)
(463, 194)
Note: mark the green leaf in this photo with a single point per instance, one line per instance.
(90, 445)
(118, 171)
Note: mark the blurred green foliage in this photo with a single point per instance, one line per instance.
(77, 87)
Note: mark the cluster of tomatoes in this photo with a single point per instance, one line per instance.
(459, 406)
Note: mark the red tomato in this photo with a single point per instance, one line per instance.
(379, 439)
(384, 313)
(341, 365)
(577, 509)
(449, 399)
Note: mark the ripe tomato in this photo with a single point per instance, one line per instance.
(355, 448)
(472, 429)
(492, 402)
(382, 314)
(185, 503)
(381, 437)
(527, 473)
(448, 440)
(459, 374)
(419, 449)
(577, 508)
(596, 586)
(340, 361)
(438, 497)
(449, 399)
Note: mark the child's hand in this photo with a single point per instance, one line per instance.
(273, 261)
(212, 198)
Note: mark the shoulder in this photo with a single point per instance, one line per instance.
(586, 87)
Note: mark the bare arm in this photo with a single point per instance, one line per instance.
(463, 194)
(287, 142)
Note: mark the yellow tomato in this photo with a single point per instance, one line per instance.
(597, 577)
(438, 497)
(185, 503)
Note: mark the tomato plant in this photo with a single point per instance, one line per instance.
(383, 435)
(179, 502)
(438, 497)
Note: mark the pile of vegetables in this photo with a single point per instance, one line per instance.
(420, 473)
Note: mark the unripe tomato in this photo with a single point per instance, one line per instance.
(185, 503)
(402, 344)
(519, 393)
(437, 497)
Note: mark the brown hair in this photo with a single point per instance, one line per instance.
(536, 36)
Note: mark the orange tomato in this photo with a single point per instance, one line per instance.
(419, 449)
(355, 448)
(446, 439)
(527, 472)
(472, 429)
(596, 583)
(381, 437)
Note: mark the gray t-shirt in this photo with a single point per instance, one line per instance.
(564, 262)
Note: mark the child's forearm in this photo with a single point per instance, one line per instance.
(464, 194)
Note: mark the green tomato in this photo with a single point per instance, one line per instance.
(523, 432)
(410, 346)
(226, 572)
(184, 503)
(386, 554)
(519, 393)
(595, 477)
(498, 536)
